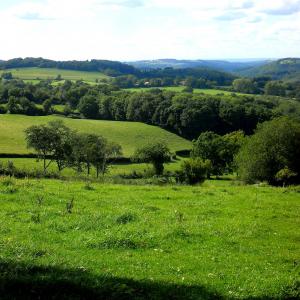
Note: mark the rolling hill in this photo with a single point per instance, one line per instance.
(285, 69)
(219, 65)
(35, 73)
(128, 134)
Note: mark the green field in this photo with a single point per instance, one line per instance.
(216, 241)
(116, 169)
(34, 74)
(181, 88)
(128, 134)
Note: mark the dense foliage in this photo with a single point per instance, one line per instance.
(193, 171)
(272, 154)
(186, 114)
(109, 67)
(219, 150)
(55, 142)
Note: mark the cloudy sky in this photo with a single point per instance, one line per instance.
(149, 29)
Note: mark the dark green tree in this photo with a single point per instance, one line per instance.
(245, 85)
(276, 88)
(274, 146)
(155, 153)
(219, 150)
(52, 142)
(88, 106)
(47, 106)
(7, 75)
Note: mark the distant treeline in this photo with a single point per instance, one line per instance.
(112, 68)
(186, 114)
(164, 77)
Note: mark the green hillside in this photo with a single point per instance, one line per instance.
(129, 134)
(286, 69)
(215, 241)
(49, 73)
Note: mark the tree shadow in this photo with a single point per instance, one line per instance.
(25, 281)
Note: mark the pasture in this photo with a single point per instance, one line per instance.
(128, 134)
(181, 88)
(219, 240)
(36, 74)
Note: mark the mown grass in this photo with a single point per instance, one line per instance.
(35, 74)
(147, 242)
(181, 88)
(128, 134)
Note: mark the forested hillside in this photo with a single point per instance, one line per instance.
(219, 65)
(284, 69)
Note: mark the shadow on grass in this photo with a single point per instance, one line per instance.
(25, 281)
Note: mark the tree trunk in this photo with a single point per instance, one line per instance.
(44, 164)
(88, 168)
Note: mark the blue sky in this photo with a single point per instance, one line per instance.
(149, 29)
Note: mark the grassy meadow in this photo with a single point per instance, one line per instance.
(215, 241)
(128, 134)
(36, 74)
(114, 170)
(181, 88)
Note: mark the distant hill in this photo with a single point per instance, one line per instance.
(110, 68)
(115, 69)
(285, 69)
(219, 65)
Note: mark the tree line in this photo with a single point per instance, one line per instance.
(271, 154)
(266, 85)
(186, 114)
(56, 143)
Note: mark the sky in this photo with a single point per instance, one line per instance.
(127, 30)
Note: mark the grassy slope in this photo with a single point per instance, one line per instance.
(129, 134)
(148, 242)
(48, 73)
(180, 88)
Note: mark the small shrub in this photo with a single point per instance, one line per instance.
(193, 171)
(3, 109)
(11, 168)
(285, 175)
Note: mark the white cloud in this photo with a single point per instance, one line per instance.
(137, 29)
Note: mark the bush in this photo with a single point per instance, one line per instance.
(272, 153)
(156, 153)
(285, 175)
(193, 171)
(3, 109)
